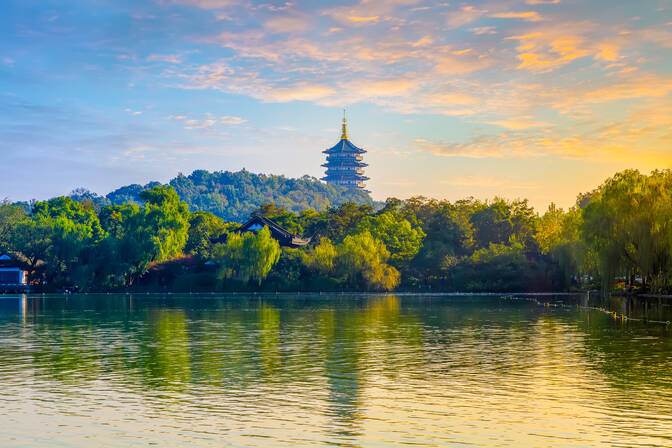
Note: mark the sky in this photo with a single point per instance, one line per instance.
(538, 99)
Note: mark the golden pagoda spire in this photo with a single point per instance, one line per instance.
(344, 134)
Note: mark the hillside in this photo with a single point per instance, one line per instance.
(233, 195)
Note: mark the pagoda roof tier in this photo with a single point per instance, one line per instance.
(357, 177)
(344, 146)
(331, 163)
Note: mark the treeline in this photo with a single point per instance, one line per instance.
(234, 195)
(618, 235)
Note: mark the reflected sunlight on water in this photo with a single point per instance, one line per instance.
(234, 370)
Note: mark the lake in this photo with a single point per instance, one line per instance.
(331, 370)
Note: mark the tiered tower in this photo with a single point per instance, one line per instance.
(344, 163)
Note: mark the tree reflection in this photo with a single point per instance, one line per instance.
(168, 360)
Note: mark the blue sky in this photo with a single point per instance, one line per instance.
(529, 98)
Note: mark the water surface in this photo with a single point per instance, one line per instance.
(320, 370)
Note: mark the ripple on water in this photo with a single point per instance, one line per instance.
(289, 371)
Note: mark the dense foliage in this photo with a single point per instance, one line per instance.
(619, 235)
(232, 196)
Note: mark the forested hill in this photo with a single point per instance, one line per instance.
(233, 196)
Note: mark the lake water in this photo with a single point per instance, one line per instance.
(329, 370)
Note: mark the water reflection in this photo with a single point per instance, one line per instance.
(342, 370)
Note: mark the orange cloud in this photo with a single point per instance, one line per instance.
(528, 16)
(517, 124)
(299, 92)
(363, 19)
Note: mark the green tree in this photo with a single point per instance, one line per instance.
(320, 258)
(627, 223)
(247, 256)
(10, 216)
(362, 261)
(32, 238)
(401, 240)
(203, 227)
(165, 222)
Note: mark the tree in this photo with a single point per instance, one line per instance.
(499, 267)
(362, 261)
(247, 256)
(32, 238)
(10, 216)
(337, 222)
(627, 222)
(448, 232)
(203, 227)
(321, 257)
(71, 228)
(164, 221)
(401, 240)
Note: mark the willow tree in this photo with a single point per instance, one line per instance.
(559, 235)
(165, 222)
(247, 256)
(628, 222)
(363, 259)
(320, 258)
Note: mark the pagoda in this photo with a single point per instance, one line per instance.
(344, 163)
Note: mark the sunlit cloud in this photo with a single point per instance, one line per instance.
(528, 16)
(518, 124)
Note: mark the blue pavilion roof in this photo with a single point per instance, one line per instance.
(344, 146)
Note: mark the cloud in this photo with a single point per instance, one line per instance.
(299, 92)
(366, 11)
(207, 4)
(288, 24)
(528, 16)
(209, 121)
(170, 58)
(464, 16)
(416, 63)
(642, 135)
(483, 30)
(517, 124)
(359, 19)
(381, 88)
(547, 50)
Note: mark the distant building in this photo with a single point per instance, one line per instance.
(11, 272)
(284, 237)
(344, 163)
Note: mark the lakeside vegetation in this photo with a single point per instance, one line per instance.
(234, 195)
(619, 235)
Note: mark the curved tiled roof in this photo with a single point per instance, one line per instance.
(342, 146)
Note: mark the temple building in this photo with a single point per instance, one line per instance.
(257, 222)
(344, 163)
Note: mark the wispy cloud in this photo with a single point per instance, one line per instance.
(528, 16)
(209, 121)
(171, 58)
